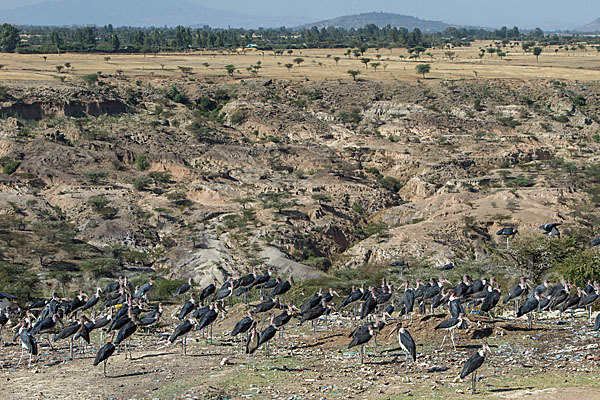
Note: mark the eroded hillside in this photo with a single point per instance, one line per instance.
(189, 178)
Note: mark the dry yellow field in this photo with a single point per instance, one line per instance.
(318, 64)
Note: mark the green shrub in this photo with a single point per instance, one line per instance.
(142, 182)
(100, 266)
(238, 117)
(390, 183)
(164, 288)
(16, 279)
(581, 267)
(10, 167)
(141, 162)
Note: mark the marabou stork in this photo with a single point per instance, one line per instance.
(281, 320)
(473, 363)
(252, 342)
(244, 324)
(528, 306)
(187, 308)
(313, 314)
(266, 305)
(144, 290)
(207, 291)
(282, 288)
(184, 288)
(182, 331)
(105, 352)
(597, 323)
(28, 343)
(267, 334)
(508, 232)
(46, 326)
(520, 289)
(362, 338)
(125, 333)
(92, 301)
(449, 325)
(406, 342)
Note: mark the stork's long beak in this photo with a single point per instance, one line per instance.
(392, 332)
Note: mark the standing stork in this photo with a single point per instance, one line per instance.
(282, 288)
(92, 301)
(144, 290)
(361, 339)
(184, 288)
(244, 324)
(281, 320)
(313, 314)
(252, 342)
(473, 363)
(125, 333)
(508, 232)
(182, 331)
(406, 342)
(207, 291)
(449, 325)
(267, 334)
(105, 352)
(28, 343)
(528, 306)
(516, 293)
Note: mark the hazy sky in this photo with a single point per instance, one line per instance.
(547, 14)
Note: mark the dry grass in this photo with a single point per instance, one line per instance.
(571, 65)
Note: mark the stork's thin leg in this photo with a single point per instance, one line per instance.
(30, 355)
(105, 368)
(71, 348)
(362, 354)
(22, 350)
(182, 346)
(375, 344)
(315, 330)
(452, 338)
(49, 342)
(443, 340)
(211, 336)
(572, 317)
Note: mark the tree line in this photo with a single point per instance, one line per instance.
(35, 39)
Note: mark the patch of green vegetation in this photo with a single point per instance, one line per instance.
(10, 167)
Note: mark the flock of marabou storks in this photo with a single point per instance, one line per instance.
(121, 310)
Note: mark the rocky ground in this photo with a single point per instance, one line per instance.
(548, 362)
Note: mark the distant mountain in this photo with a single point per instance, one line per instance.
(593, 26)
(381, 19)
(138, 13)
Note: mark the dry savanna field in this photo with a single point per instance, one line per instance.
(317, 64)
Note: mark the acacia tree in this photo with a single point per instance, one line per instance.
(365, 61)
(336, 59)
(230, 68)
(298, 60)
(536, 52)
(353, 73)
(423, 69)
